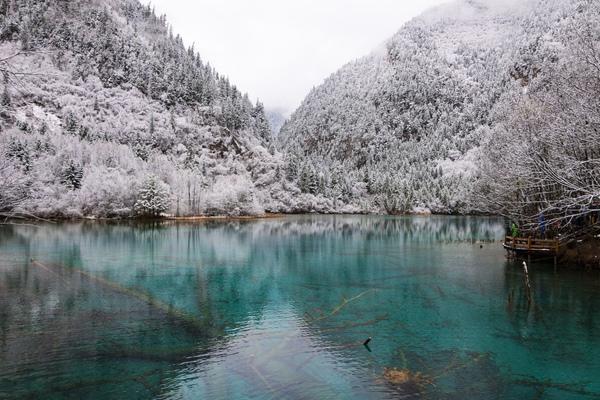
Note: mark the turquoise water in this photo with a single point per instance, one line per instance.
(280, 308)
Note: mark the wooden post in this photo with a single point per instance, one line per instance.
(529, 243)
(527, 284)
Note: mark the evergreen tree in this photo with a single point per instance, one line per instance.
(172, 122)
(140, 150)
(309, 181)
(261, 123)
(71, 124)
(72, 175)
(19, 151)
(151, 127)
(5, 99)
(292, 167)
(154, 198)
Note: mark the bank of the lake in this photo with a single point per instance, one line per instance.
(582, 253)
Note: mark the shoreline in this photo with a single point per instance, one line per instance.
(199, 218)
(583, 254)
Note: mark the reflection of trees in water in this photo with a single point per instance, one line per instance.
(107, 294)
(413, 229)
(148, 234)
(15, 243)
(224, 274)
(560, 323)
(83, 333)
(559, 309)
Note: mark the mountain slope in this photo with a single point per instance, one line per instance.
(100, 99)
(400, 128)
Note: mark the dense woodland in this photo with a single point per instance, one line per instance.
(475, 106)
(105, 113)
(542, 159)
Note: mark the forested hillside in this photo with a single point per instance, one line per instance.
(401, 129)
(477, 105)
(541, 163)
(105, 113)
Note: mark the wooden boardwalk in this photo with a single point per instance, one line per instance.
(532, 246)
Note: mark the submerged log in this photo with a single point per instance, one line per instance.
(188, 321)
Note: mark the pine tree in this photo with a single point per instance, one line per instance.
(72, 175)
(71, 124)
(151, 127)
(5, 99)
(153, 198)
(140, 150)
(172, 122)
(291, 169)
(261, 124)
(20, 152)
(346, 191)
(303, 181)
(309, 181)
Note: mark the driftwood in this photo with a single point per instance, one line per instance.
(343, 304)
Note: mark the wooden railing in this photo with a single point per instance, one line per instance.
(532, 245)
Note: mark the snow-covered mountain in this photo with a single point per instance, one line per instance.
(400, 128)
(103, 112)
(276, 118)
(99, 99)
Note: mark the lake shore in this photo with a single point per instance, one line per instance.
(224, 217)
(583, 254)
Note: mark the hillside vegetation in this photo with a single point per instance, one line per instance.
(402, 129)
(474, 106)
(100, 102)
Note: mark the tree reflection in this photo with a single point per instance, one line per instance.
(137, 309)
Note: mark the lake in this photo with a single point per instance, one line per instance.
(280, 308)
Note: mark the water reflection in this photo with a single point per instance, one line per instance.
(280, 308)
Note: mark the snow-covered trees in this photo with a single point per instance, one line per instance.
(119, 98)
(154, 198)
(544, 157)
(423, 101)
(14, 187)
(401, 111)
(261, 123)
(112, 98)
(5, 97)
(71, 175)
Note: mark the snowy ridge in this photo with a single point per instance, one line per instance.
(400, 130)
(114, 117)
(111, 102)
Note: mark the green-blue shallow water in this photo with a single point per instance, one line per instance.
(280, 308)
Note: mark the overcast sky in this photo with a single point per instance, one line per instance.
(277, 50)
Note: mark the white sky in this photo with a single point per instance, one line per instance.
(277, 50)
